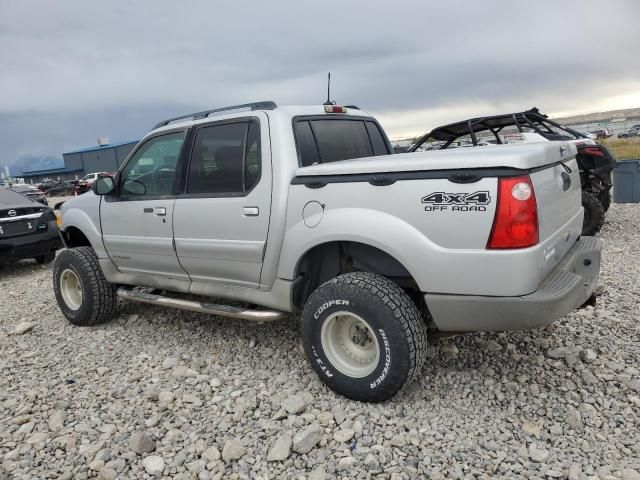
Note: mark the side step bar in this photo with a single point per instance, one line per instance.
(211, 308)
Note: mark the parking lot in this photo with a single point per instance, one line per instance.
(182, 395)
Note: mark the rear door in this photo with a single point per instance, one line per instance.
(136, 221)
(221, 221)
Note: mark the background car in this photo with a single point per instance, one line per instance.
(632, 132)
(27, 229)
(46, 184)
(85, 183)
(602, 133)
(64, 187)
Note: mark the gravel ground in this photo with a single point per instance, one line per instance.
(169, 394)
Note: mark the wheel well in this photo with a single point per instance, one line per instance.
(328, 260)
(74, 237)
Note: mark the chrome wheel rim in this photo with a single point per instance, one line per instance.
(350, 344)
(71, 289)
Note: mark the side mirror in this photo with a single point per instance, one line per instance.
(103, 186)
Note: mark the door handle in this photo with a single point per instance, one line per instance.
(156, 211)
(250, 211)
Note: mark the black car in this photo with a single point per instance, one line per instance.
(595, 162)
(30, 191)
(64, 187)
(27, 229)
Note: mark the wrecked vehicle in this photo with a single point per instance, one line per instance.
(595, 162)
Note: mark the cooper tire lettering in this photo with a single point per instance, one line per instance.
(387, 360)
(329, 304)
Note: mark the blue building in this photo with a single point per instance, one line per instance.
(78, 163)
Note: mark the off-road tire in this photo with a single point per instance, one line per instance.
(400, 331)
(98, 296)
(45, 259)
(593, 214)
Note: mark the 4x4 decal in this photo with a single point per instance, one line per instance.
(457, 202)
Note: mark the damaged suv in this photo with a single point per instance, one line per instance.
(305, 209)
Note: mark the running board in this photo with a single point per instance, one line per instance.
(211, 308)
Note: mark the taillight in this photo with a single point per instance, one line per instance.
(595, 151)
(515, 224)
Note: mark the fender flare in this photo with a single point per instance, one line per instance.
(78, 218)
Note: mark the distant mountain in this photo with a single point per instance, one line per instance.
(29, 163)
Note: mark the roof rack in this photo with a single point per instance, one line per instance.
(266, 105)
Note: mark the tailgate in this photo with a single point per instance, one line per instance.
(559, 200)
(558, 195)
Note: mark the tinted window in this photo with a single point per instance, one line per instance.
(377, 142)
(253, 157)
(341, 140)
(225, 159)
(152, 169)
(324, 141)
(307, 149)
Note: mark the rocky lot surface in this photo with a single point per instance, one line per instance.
(168, 394)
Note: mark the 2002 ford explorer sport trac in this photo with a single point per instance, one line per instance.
(304, 208)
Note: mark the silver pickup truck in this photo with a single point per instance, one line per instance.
(282, 209)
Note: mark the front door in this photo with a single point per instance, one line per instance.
(221, 220)
(137, 220)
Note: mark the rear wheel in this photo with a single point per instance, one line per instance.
(593, 214)
(83, 294)
(364, 336)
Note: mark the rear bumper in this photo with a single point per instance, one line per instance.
(30, 246)
(567, 287)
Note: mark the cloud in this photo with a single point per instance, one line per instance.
(76, 70)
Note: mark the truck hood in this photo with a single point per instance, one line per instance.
(520, 156)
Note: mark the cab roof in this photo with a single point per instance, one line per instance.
(289, 110)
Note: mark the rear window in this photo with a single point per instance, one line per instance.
(331, 140)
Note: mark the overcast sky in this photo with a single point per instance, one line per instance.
(71, 71)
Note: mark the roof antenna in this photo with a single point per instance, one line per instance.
(329, 102)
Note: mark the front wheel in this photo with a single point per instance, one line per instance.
(364, 336)
(83, 294)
